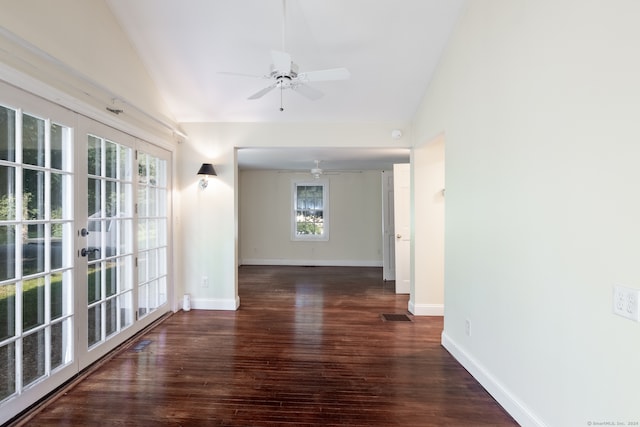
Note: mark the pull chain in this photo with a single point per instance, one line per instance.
(281, 90)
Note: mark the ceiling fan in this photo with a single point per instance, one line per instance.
(284, 73)
(316, 172)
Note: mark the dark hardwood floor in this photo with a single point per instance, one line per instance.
(308, 347)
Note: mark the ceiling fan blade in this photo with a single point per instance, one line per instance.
(325, 75)
(307, 91)
(263, 92)
(231, 73)
(281, 62)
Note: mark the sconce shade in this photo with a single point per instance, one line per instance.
(207, 169)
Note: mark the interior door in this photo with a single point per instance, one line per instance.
(402, 225)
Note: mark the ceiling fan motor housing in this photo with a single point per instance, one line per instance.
(316, 172)
(292, 74)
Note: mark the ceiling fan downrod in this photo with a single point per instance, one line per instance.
(284, 22)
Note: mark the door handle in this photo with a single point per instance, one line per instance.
(86, 251)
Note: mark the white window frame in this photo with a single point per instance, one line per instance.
(325, 210)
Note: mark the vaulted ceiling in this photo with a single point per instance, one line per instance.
(390, 47)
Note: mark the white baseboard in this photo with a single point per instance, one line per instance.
(516, 408)
(426, 309)
(215, 304)
(313, 262)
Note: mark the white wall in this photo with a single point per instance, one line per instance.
(427, 254)
(355, 220)
(538, 101)
(207, 220)
(85, 39)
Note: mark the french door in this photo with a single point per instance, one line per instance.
(152, 228)
(122, 233)
(106, 241)
(84, 226)
(37, 311)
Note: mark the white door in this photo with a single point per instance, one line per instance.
(122, 238)
(153, 208)
(37, 316)
(105, 295)
(402, 226)
(388, 235)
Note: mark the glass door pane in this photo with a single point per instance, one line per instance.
(109, 249)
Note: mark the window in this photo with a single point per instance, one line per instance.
(310, 213)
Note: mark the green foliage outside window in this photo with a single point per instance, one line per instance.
(309, 228)
(309, 210)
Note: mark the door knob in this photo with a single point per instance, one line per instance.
(398, 236)
(87, 251)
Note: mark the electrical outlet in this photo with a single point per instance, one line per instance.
(205, 282)
(626, 302)
(467, 327)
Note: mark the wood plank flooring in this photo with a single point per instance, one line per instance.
(308, 347)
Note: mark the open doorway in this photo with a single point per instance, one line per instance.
(266, 177)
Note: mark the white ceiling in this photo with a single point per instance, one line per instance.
(390, 47)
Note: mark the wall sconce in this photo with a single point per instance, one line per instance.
(206, 170)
